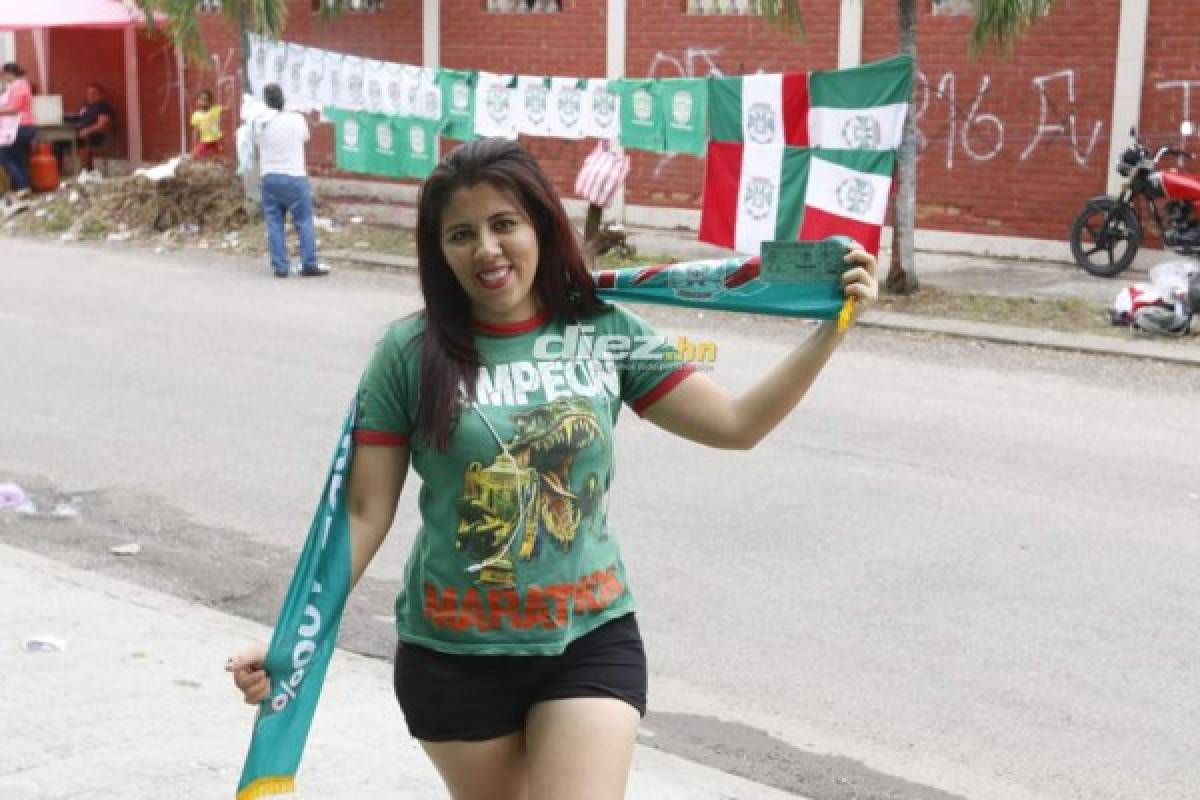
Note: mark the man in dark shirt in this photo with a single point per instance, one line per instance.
(94, 121)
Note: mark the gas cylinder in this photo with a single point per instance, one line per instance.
(43, 169)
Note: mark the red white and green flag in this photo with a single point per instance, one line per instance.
(803, 155)
(756, 195)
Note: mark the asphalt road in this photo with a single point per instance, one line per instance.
(958, 569)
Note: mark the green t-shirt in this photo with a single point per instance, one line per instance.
(514, 554)
(685, 109)
(385, 151)
(642, 123)
(458, 103)
(353, 142)
(418, 141)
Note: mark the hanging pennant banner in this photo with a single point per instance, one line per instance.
(494, 112)
(642, 125)
(566, 108)
(685, 107)
(314, 78)
(458, 103)
(375, 82)
(532, 102)
(427, 96)
(601, 110)
(354, 81)
(293, 83)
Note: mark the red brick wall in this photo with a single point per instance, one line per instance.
(1027, 185)
(570, 43)
(1172, 57)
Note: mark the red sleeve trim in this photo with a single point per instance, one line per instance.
(383, 438)
(660, 390)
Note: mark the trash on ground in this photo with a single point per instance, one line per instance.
(28, 508)
(130, 549)
(44, 644)
(12, 496)
(64, 511)
(356, 220)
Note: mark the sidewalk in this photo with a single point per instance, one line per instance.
(953, 272)
(138, 706)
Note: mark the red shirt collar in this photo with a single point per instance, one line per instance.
(512, 328)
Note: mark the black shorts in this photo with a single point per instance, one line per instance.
(452, 698)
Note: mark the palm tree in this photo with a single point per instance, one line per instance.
(998, 24)
(266, 17)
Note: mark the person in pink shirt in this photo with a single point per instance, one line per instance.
(19, 99)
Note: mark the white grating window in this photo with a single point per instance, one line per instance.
(730, 8)
(523, 6)
(361, 6)
(211, 5)
(8, 47)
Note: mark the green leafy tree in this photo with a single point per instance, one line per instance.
(266, 17)
(998, 24)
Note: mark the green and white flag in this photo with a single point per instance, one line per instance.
(642, 122)
(458, 103)
(352, 140)
(803, 156)
(773, 194)
(685, 105)
(302, 644)
(862, 108)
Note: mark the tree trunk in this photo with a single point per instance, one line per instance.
(902, 277)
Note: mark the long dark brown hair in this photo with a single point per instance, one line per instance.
(562, 284)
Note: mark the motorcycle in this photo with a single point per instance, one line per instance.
(1108, 231)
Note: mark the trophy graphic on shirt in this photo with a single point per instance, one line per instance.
(498, 506)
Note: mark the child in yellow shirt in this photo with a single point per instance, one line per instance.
(207, 139)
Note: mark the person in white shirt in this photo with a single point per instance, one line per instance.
(280, 137)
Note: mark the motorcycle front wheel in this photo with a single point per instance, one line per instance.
(1104, 246)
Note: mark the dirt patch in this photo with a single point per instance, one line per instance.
(1068, 314)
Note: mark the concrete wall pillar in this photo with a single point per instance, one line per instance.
(431, 33)
(1127, 88)
(850, 34)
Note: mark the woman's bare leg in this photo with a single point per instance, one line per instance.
(495, 769)
(580, 748)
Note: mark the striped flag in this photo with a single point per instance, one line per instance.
(803, 156)
(603, 171)
(753, 196)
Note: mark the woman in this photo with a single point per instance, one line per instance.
(520, 668)
(15, 157)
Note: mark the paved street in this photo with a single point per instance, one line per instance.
(966, 567)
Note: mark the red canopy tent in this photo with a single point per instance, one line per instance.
(38, 17)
